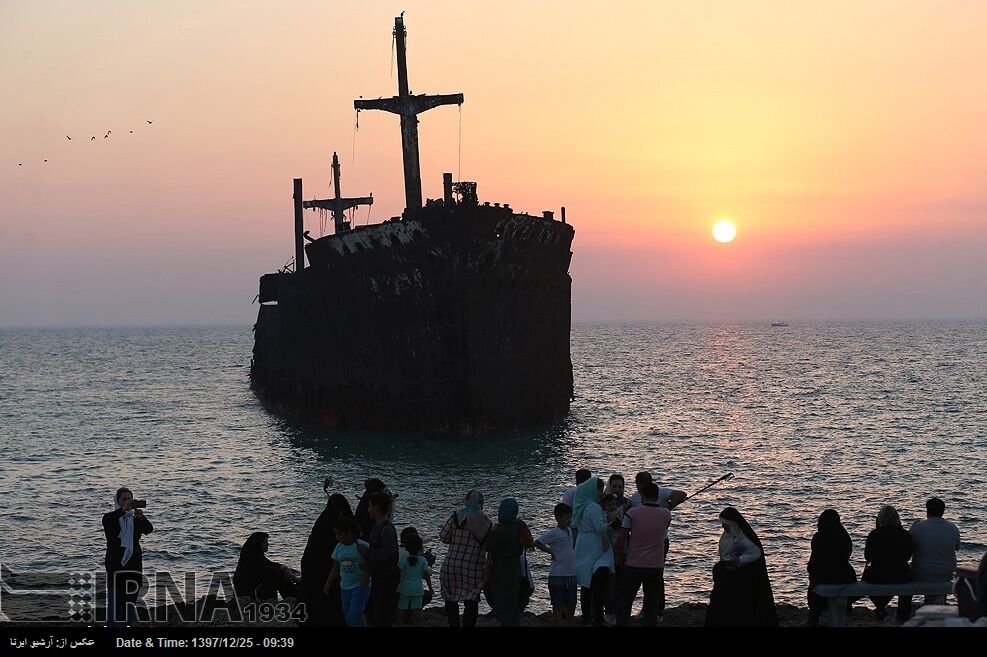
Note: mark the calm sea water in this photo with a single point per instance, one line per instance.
(849, 416)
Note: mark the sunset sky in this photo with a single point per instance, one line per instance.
(847, 141)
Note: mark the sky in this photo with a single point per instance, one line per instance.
(845, 139)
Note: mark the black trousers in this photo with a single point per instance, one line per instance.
(631, 579)
(383, 600)
(123, 587)
(277, 582)
(904, 606)
(592, 599)
(470, 612)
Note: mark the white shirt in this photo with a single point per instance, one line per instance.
(663, 495)
(569, 496)
(560, 540)
(735, 543)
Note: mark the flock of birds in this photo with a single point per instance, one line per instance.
(93, 138)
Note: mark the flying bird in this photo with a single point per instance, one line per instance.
(108, 133)
(20, 164)
(46, 160)
(67, 137)
(131, 132)
(93, 139)
(149, 122)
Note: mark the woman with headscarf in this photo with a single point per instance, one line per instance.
(362, 514)
(461, 575)
(888, 549)
(324, 610)
(593, 552)
(124, 559)
(256, 576)
(741, 593)
(829, 562)
(527, 545)
(503, 566)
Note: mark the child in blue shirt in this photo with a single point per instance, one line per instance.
(414, 568)
(349, 567)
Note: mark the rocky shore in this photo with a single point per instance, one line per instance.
(684, 615)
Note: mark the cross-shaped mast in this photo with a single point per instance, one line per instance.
(408, 107)
(339, 204)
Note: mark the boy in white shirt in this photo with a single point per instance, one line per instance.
(562, 573)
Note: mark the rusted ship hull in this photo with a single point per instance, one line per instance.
(454, 320)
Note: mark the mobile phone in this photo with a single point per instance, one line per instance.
(138, 504)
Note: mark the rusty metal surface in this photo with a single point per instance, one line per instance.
(455, 319)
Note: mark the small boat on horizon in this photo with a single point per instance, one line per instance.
(779, 323)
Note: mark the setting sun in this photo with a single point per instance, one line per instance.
(724, 231)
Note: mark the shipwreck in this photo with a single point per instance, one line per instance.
(453, 317)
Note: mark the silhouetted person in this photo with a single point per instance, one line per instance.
(741, 593)
(934, 545)
(461, 575)
(641, 548)
(503, 565)
(582, 474)
(257, 576)
(124, 560)
(362, 514)
(324, 609)
(382, 561)
(888, 549)
(829, 562)
(593, 551)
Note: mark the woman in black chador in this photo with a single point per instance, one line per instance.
(741, 591)
(888, 549)
(256, 576)
(362, 513)
(829, 562)
(323, 610)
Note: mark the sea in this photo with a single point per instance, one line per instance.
(810, 416)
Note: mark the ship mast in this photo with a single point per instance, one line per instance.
(408, 107)
(338, 205)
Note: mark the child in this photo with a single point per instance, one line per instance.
(349, 566)
(414, 569)
(403, 554)
(403, 542)
(562, 573)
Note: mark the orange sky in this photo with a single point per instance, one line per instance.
(846, 139)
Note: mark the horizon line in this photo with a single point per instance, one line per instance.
(614, 322)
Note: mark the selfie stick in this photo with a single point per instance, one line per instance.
(725, 477)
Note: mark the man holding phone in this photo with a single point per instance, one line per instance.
(124, 560)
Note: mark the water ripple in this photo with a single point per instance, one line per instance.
(849, 416)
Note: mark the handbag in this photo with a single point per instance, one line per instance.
(527, 587)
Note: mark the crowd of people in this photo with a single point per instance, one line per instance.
(924, 553)
(605, 548)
